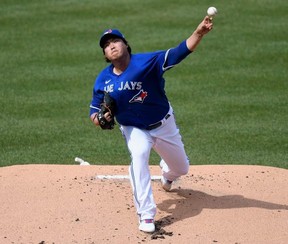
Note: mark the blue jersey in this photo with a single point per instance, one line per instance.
(139, 91)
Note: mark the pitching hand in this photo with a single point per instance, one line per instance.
(205, 26)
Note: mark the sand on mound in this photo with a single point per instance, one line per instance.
(212, 204)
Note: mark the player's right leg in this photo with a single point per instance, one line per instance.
(139, 143)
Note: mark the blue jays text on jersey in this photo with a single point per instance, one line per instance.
(139, 91)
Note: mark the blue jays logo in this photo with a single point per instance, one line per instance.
(139, 97)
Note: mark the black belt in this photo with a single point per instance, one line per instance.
(158, 124)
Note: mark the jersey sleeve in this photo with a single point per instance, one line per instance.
(175, 55)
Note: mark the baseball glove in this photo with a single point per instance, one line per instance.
(108, 105)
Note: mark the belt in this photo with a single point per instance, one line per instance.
(158, 124)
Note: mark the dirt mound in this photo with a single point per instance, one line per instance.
(212, 204)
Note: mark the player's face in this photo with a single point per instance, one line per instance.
(115, 48)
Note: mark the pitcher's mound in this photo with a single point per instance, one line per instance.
(212, 204)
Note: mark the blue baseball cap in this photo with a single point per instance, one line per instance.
(108, 34)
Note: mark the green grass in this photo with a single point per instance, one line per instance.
(230, 96)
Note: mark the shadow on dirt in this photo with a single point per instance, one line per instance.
(188, 203)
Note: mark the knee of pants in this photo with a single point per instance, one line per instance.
(184, 169)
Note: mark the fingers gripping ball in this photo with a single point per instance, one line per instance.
(108, 106)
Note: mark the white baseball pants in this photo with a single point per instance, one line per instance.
(167, 142)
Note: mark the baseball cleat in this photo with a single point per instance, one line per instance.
(166, 184)
(147, 225)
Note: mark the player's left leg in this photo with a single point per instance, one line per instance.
(170, 147)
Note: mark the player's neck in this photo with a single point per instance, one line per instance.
(121, 65)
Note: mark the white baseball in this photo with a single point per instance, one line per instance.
(211, 11)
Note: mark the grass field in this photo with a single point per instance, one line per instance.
(230, 96)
